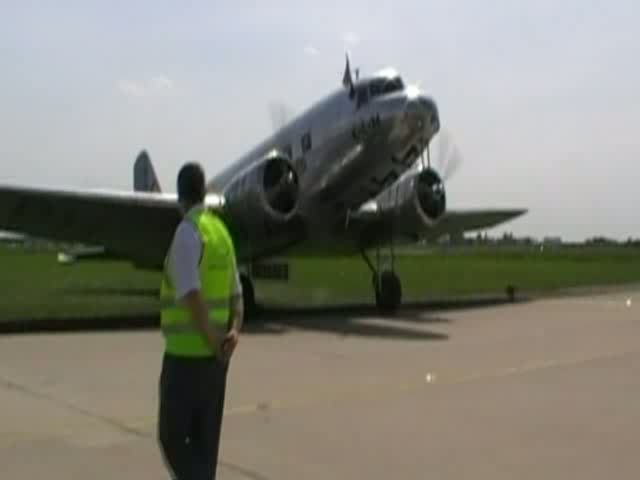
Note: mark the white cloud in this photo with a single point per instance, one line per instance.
(311, 50)
(161, 82)
(137, 88)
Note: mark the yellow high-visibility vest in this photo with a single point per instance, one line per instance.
(217, 265)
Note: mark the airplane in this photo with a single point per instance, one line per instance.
(345, 176)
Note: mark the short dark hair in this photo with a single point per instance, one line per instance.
(191, 183)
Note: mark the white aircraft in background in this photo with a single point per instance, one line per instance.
(345, 176)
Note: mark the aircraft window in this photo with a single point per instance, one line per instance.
(306, 142)
(393, 85)
(376, 88)
(384, 86)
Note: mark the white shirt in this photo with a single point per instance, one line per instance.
(184, 259)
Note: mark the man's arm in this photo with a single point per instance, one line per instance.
(236, 302)
(236, 307)
(200, 318)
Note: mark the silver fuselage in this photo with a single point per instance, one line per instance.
(347, 148)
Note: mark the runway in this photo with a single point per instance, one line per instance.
(541, 389)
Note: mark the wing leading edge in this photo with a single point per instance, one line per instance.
(373, 226)
(137, 226)
(460, 221)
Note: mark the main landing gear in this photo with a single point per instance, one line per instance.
(386, 285)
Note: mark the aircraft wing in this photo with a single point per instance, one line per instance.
(372, 226)
(460, 221)
(137, 226)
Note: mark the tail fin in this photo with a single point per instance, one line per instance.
(144, 176)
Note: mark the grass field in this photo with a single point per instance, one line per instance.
(35, 286)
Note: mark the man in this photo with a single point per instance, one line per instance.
(200, 320)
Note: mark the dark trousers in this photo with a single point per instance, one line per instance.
(192, 392)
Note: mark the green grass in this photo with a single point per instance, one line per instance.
(35, 286)
(459, 271)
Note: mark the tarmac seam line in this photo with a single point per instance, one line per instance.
(24, 389)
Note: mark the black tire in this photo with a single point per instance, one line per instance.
(388, 292)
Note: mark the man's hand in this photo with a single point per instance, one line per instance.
(199, 316)
(230, 343)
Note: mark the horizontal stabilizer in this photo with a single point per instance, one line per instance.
(71, 256)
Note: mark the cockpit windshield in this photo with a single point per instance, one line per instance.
(378, 87)
(384, 86)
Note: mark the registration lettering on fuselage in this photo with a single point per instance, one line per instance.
(365, 127)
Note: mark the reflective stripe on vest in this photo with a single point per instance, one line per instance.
(182, 337)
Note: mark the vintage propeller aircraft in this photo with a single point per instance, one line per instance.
(345, 176)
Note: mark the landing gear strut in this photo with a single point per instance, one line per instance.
(248, 297)
(386, 285)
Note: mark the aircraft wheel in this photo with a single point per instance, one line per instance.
(248, 297)
(388, 292)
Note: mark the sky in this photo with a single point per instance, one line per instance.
(541, 98)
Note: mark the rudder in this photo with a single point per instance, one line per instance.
(144, 175)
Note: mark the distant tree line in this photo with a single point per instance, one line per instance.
(508, 238)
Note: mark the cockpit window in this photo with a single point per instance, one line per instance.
(377, 88)
(393, 85)
(384, 86)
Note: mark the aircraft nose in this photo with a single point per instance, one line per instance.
(430, 111)
(427, 111)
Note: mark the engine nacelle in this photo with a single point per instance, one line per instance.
(418, 197)
(261, 202)
(430, 195)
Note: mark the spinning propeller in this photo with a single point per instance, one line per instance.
(430, 189)
(448, 158)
